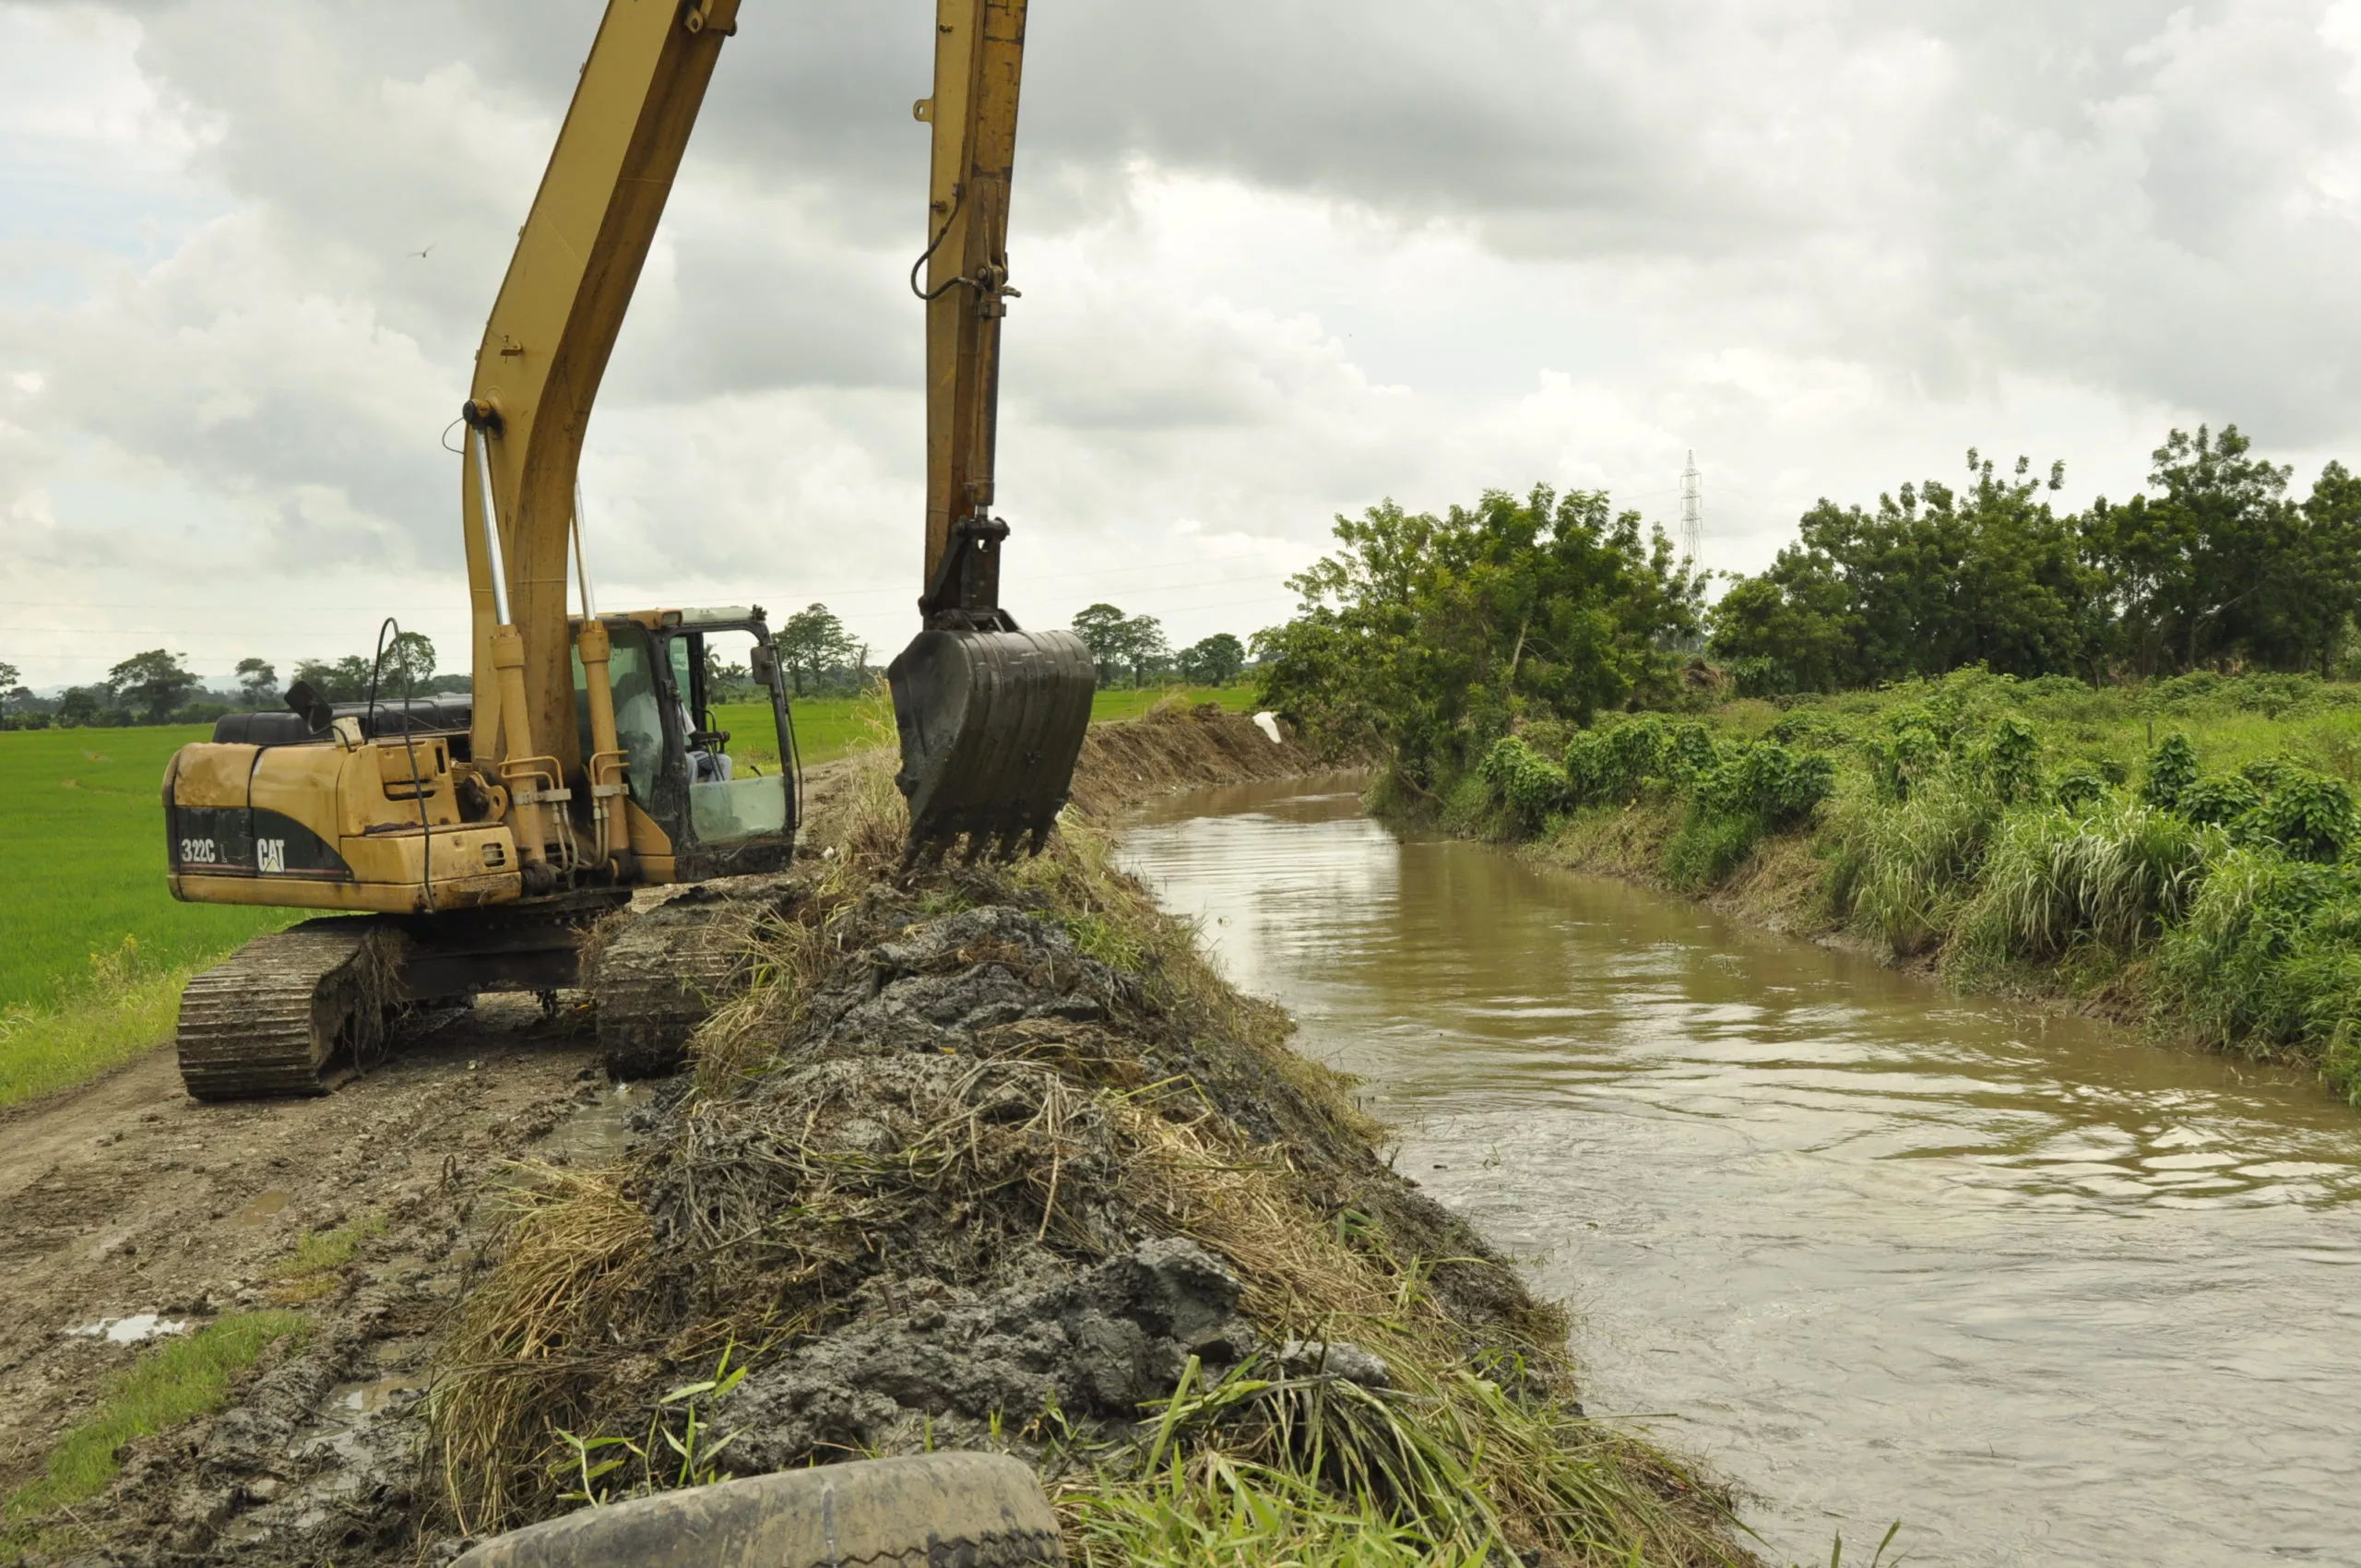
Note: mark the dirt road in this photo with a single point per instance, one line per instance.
(127, 1199)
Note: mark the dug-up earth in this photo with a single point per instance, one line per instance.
(125, 1200)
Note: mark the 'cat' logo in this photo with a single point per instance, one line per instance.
(270, 855)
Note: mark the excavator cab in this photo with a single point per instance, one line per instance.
(702, 719)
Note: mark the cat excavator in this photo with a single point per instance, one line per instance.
(468, 843)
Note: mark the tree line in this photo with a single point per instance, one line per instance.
(819, 657)
(1431, 636)
(2216, 566)
(1134, 648)
(158, 687)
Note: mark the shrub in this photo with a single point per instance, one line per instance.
(2308, 815)
(2080, 788)
(1532, 787)
(1590, 770)
(2010, 761)
(2221, 798)
(1689, 752)
(1778, 787)
(1636, 751)
(1905, 756)
(2172, 768)
(1754, 790)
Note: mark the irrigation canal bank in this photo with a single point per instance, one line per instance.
(2044, 1292)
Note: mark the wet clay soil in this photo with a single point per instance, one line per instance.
(127, 1198)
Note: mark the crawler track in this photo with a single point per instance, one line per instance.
(293, 1013)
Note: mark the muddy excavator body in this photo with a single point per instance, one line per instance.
(471, 843)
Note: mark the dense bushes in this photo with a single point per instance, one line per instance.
(1996, 827)
(1732, 792)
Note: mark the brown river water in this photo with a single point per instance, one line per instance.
(2043, 1291)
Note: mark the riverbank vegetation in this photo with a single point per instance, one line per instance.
(2103, 754)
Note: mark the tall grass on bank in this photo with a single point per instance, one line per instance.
(2115, 876)
(2269, 961)
(2011, 832)
(125, 1011)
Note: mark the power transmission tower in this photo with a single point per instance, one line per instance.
(1692, 512)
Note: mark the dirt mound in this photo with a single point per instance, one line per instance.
(1174, 746)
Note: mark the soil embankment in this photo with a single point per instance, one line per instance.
(985, 1156)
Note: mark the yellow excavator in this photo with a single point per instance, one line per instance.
(470, 843)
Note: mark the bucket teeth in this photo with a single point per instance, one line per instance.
(991, 724)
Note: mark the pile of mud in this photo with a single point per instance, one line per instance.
(986, 1189)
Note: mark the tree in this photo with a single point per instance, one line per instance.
(814, 642)
(153, 684)
(258, 681)
(1933, 580)
(2200, 573)
(9, 676)
(83, 704)
(1144, 649)
(1213, 662)
(345, 680)
(1122, 643)
(1433, 637)
(1100, 627)
(409, 665)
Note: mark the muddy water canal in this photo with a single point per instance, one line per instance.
(2045, 1292)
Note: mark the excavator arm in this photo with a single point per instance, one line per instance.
(545, 351)
(990, 716)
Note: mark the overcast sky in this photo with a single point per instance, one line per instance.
(1277, 261)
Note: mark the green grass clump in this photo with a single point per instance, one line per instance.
(177, 1381)
(310, 1272)
(46, 1049)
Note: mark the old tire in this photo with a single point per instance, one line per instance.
(937, 1511)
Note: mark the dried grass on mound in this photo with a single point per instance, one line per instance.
(992, 1158)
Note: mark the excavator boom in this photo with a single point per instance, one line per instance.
(468, 848)
(546, 345)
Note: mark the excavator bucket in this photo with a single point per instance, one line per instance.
(991, 723)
